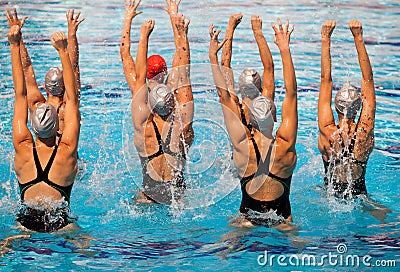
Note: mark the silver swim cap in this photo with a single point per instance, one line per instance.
(348, 101)
(44, 121)
(261, 113)
(54, 81)
(161, 99)
(250, 83)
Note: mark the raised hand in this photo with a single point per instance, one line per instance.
(282, 34)
(256, 23)
(73, 23)
(130, 9)
(13, 20)
(235, 19)
(181, 24)
(146, 28)
(215, 45)
(14, 35)
(327, 28)
(356, 28)
(173, 6)
(59, 41)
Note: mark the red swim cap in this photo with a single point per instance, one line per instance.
(155, 65)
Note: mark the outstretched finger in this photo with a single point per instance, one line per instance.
(291, 30)
(23, 20)
(71, 15)
(178, 2)
(80, 21)
(211, 30)
(187, 22)
(77, 16)
(15, 13)
(274, 27)
(280, 24)
(215, 34)
(9, 16)
(287, 25)
(137, 4)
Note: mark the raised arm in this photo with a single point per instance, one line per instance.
(71, 115)
(366, 121)
(229, 106)
(34, 95)
(125, 47)
(268, 79)
(140, 108)
(172, 10)
(73, 48)
(184, 92)
(325, 114)
(20, 129)
(288, 129)
(226, 57)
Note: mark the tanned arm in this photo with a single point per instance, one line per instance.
(366, 122)
(125, 47)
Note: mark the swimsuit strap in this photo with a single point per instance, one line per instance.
(250, 127)
(168, 139)
(158, 135)
(50, 162)
(166, 144)
(59, 107)
(39, 175)
(353, 140)
(268, 157)
(352, 143)
(160, 145)
(245, 180)
(39, 169)
(243, 117)
(242, 114)
(258, 154)
(42, 175)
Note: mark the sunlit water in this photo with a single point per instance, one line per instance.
(196, 237)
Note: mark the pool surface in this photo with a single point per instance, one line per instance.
(118, 235)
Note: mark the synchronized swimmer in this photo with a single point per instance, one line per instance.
(162, 115)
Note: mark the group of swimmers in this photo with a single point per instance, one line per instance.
(162, 115)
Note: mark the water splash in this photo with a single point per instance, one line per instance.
(268, 219)
(341, 172)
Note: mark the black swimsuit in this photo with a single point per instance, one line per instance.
(162, 191)
(340, 186)
(43, 175)
(281, 204)
(39, 219)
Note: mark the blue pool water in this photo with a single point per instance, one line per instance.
(119, 235)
